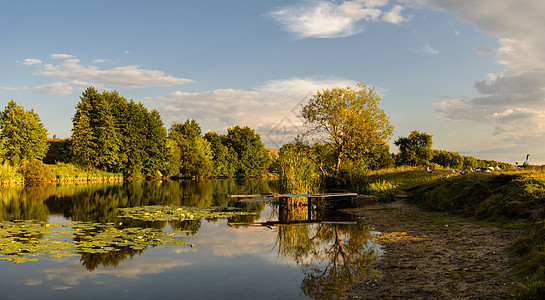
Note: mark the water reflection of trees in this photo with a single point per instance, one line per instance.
(19, 203)
(100, 203)
(332, 256)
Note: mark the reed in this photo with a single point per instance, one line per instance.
(297, 172)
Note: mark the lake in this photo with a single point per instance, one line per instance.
(176, 240)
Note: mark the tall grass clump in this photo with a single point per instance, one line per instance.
(297, 172)
(66, 173)
(9, 174)
(353, 176)
(384, 190)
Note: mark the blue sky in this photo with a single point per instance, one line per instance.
(469, 72)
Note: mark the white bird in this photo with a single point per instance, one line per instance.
(428, 169)
(526, 162)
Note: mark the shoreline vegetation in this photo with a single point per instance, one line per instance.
(343, 146)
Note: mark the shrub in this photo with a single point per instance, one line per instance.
(36, 171)
(385, 190)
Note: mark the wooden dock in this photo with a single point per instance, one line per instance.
(274, 195)
(283, 199)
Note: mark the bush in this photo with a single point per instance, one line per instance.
(35, 171)
(385, 190)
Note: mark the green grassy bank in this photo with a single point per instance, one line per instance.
(59, 173)
(514, 199)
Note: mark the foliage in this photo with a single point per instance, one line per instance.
(9, 174)
(36, 171)
(59, 151)
(191, 153)
(448, 159)
(385, 190)
(23, 241)
(224, 158)
(168, 213)
(67, 173)
(353, 176)
(115, 135)
(253, 158)
(415, 149)
(297, 172)
(349, 122)
(23, 136)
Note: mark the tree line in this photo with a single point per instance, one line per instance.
(345, 135)
(117, 135)
(416, 150)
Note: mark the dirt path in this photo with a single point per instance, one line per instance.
(430, 255)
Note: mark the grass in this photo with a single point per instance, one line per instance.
(38, 172)
(66, 173)
(9, 174)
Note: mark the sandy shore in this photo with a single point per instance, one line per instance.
(431, 255)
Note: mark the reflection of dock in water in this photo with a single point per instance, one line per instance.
(299, 209)
(294, 222)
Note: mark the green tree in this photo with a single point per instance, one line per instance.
(23, 134)
(83, 146)
(254, 160)
(117, 135)
(415, 149)
(349, 121)
(192, 156)
(224, 159)
(103, 124)
(155, 148)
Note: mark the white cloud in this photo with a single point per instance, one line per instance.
(100, 60)
(394, 15)
(12, 88)
(515, 105)
(72, 274)
(56, 88)
(124, 76)
(127, 76)
(302, 86)
(272, 109)
(31, 62)
(330, 19)
(513, 101)
(427, 49)
(61, 56)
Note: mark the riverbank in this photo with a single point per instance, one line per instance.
(509, 200)
(430, 255)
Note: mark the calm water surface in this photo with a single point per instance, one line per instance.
(227, 258)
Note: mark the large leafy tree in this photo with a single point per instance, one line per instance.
(23, 135)
(415, 149)
(251, 153)
(349, 122)
(83, 144)
(191, 153)
(114, 134)
(224, 159)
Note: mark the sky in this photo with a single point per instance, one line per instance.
(469, 72)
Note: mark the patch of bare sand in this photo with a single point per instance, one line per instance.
(430, 255)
